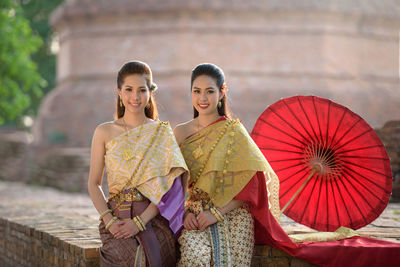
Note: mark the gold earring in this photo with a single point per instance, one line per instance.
(219, 104)
(148, 105)
(120, 103)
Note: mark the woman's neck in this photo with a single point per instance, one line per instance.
(204, 120)
(134, 120)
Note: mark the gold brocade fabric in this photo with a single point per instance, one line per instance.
(339, 234)
(229, 158)
(158, 168)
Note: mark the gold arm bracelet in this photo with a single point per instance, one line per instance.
(113, 219)
(139, 222)
(217, 214)
(107, 211)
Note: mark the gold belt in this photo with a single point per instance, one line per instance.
(129, 195)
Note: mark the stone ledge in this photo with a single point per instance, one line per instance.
(45, 227)
(47, 242)
(42, 226)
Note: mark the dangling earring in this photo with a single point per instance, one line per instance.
(219, 104)
(148, 105)
(120, 103)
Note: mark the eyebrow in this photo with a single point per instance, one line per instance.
(140, 87)
(205, 89)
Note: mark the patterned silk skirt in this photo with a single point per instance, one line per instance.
(154, 247)
(229, 243)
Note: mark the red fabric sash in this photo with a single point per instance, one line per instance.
(355, 251)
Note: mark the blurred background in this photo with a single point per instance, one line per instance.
(59, 61)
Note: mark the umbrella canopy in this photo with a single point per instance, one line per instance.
(333, 169)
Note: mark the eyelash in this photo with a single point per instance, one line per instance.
(198, 91)
(141, 90)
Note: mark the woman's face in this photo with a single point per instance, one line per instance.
(134, 93)
(205, 95)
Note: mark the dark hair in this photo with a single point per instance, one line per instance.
(138, 67)
(217, 74)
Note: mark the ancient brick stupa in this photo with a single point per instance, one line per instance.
(343, 50)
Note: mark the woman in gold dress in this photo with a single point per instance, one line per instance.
(223, 162)
(233, 193)
(144, 165)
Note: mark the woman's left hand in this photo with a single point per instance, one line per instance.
(127, 229)
(205, 218)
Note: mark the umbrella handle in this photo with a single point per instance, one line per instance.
(298, 190)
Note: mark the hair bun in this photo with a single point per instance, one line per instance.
(153, 87)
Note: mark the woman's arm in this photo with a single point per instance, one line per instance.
(189, 220)
(96, 175)
(206, 218)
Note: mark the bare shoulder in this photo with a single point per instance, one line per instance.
(105, 131)
(183, 130)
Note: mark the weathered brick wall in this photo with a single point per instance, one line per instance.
(267, 256)
(46, 227)
(43, 245)
(49, 245)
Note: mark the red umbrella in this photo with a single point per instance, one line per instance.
(333, 169)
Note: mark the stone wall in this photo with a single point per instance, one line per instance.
(64, 168)
(41, 245)
(47, 227)
(343, 50)
(47, 245)
(14, 147)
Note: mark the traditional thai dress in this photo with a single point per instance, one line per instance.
(222, 159)
(144, 165)
(225, 164)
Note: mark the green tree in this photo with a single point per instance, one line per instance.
(38, 13)
(20, 82)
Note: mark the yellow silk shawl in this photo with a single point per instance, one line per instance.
(226, 161)
(156, 162)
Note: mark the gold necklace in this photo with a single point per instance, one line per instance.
(198, 152)
(127, 151)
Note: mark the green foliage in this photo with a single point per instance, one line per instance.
(20, 83)
(27, 69)
(38, 13)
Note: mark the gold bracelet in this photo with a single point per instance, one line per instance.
(113, 219)
(139, 223)
(217, 214)
(107, 211)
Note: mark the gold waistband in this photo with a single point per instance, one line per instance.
(131, 194)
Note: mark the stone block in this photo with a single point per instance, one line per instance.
(262, 250)
(278, 253)
(275, 262)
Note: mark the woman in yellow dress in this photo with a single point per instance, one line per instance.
(233, 193)
(144, 165)
(223, 160)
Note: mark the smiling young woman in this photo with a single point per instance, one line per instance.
(222, 160)
(144, 166)
(230, 208)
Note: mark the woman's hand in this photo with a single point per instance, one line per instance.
(190, 222)
(126, 229)
(205, 218)
(114, 228)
